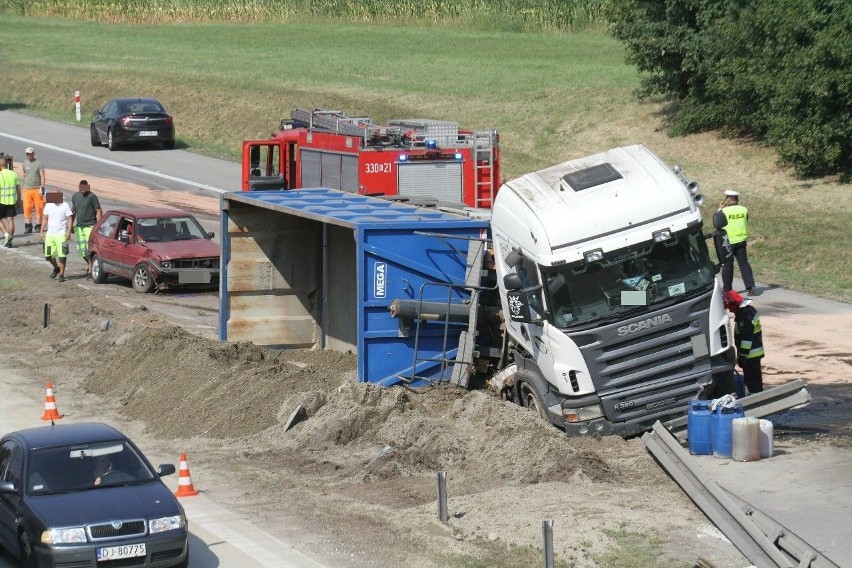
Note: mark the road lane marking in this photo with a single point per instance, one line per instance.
(116, 164)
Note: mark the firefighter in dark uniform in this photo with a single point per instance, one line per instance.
(748, 339)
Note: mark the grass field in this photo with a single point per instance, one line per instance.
(552, 96)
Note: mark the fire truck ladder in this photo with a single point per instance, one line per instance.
(483, 167)
(333, 121)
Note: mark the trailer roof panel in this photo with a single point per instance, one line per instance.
(341, 208)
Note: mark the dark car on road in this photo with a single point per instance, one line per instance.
(84, 495)
(154, 248)
(132, 121)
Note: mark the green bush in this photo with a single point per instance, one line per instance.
(777, 70)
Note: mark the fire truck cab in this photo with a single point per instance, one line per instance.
(415, 159)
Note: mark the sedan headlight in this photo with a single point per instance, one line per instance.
(167, 264)
(67, 535)
(166, 524)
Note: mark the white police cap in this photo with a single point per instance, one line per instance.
(732, 193)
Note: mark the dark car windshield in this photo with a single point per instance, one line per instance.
(168, 229)
(73, 468)
(628, 280)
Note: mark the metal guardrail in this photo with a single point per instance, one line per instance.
(762, 540)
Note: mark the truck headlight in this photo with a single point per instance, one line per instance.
(583, 413)
(166, 524)
(68, 535)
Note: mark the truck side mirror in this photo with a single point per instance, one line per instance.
(722, 246)
(519, 307)
(512, 281)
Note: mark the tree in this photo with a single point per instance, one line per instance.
(777, 70)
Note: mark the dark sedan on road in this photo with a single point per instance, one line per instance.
(84, 495)
(132, 121)
(154, 248)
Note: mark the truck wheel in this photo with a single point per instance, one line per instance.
(96, 141)
(111, 141)
(530, 398)
(143, 282)
(98, 274)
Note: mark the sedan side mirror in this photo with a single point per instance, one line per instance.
(166, 469)
(8, 487)
(210, 235)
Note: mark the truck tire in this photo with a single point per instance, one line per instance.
(96, 141)
(530, 398)
(143, 281)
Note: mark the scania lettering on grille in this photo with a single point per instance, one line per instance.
(644, 325)
(380, 270)
(659, 403)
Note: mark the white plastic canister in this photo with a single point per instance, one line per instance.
(746, 439)
(766, 435)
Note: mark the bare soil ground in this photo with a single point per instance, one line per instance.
(353, 482)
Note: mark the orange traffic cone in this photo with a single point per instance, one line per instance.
(50, 411)
(185, 487)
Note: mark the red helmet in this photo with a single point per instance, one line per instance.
(732, 300)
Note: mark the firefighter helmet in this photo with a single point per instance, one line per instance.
(732, 300)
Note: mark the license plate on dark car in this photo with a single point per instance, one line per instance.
(125, 551)
(147, 133)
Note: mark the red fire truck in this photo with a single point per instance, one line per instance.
(418, 159)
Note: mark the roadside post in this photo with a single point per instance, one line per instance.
(547, 533)
(77, 104)
(442, 497)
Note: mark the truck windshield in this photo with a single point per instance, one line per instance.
(628, 280)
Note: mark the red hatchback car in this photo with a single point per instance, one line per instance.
(154, 248)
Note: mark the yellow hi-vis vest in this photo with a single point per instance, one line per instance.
(737, 227)
(8, 187)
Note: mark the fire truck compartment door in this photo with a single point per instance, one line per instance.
(438, 180)
(329, 169)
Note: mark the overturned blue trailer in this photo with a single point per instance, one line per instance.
(318, 268)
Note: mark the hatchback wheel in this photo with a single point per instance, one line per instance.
(169, 145)
(111, 144)
(96, 141)
(98, 274)
(143, 282)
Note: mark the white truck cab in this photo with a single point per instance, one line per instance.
(613, 310)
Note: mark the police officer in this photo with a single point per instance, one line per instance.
(737, 230)
(748, 338)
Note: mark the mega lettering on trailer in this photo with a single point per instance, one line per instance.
(415, 159)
